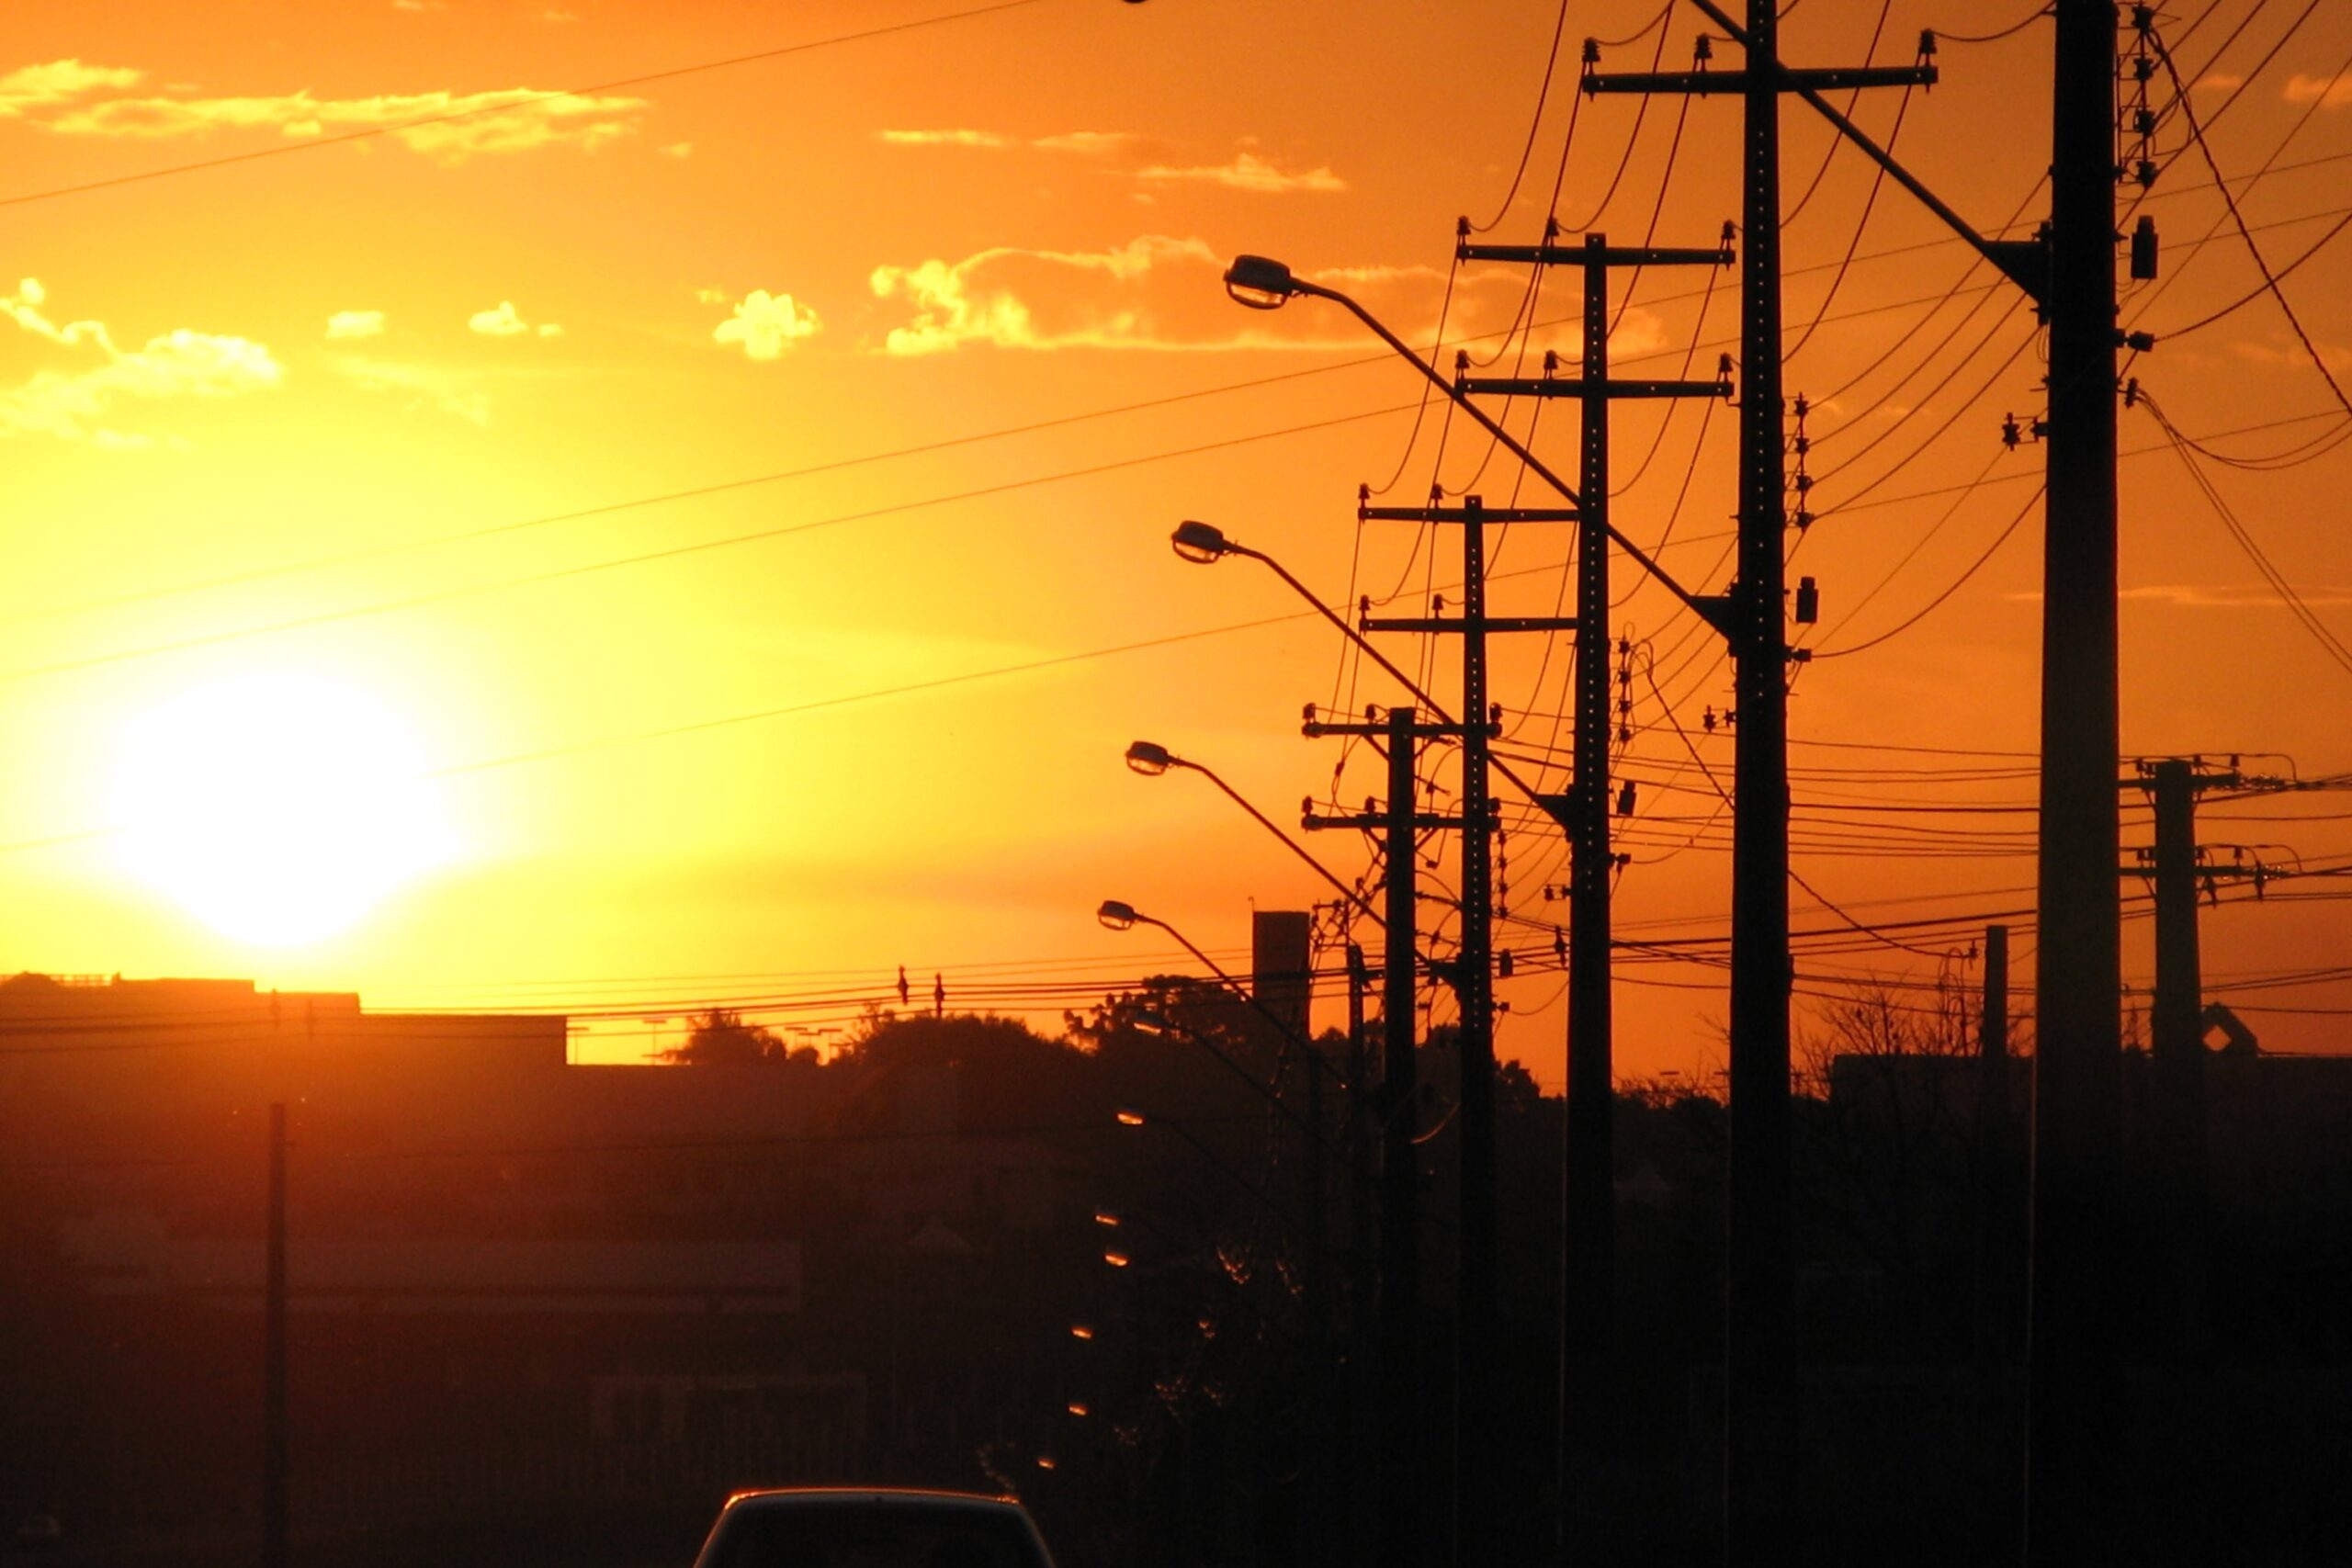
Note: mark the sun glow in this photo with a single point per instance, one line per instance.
(277, 808)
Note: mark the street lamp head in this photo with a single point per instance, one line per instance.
(1260, 282)
(1150, 758)
(1116, 916)
(1199, 543)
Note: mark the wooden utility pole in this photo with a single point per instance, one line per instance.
(274, 1429)
(2177, 1058)
(1588, 1192)
(2073, 1378)
(1760, 1450)
(1403, 1489)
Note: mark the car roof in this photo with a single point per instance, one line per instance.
(786, 1497)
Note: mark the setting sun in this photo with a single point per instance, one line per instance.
(277, 808)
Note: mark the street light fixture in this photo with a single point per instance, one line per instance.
(1151, 760)
(1199, 543)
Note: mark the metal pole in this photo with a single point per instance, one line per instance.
(1996, 1186)
(1759, 1350)
(1400, 1185)
(274, 1446)
(1588, 1199)
(1477, 1313)
(2073, 1374)
(2178, 1054)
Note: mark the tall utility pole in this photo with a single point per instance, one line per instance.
(274, 1429)
(2072, 1378)
(1588, 1189)
(1403, 1476)
(2176, 1098)
(1477, 1308)
(1999, 1244)
(1760, 1451)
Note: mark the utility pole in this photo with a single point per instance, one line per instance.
(2073, 1379)
(1998, 1188)
(1588, 1189)
(1760, 1451)
(1477, 1309)
(2176, 1100)
(274, 1430)
(1403, 1476)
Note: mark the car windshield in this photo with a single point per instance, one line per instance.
(871, 1535)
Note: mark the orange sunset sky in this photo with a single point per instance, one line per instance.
(638, 526)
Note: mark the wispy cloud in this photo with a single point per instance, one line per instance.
(73, 404)
(2232, 595)
(58, 82)
(356, 323)
(72, 98)
(1248, 171)
(765, 325)
(423, 390)
(1244, 170)
(2333, 92)
(507, 321)
(1163, 292)
(946, 139)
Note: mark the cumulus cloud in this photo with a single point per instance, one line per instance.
(448, 127)
(1248, 171)
(676, 150)
(2333, 92)
(766, 324)
(71, 403)
(58, 82)
(507, 321)
(1162, 292)
(356, 323)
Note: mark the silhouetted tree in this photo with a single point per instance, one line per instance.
(721, 1039)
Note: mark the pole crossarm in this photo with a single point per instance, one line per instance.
(1470, 512)
(2025, 262)
(1579, 387)
(1456, 625)
(1715, 83)
(1315, 729)
(1602, 255)
(1318, 822)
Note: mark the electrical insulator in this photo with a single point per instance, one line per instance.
(1704, 50)
(1503, 963)
(2143, 249)
(1926, 43)
(1625, 798)
(1592, 52)
(1307, 713)
(1808, 601)
(2010, 434)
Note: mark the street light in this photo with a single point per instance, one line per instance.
(1263, 283)
(1151, 760)
(1205, 543)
